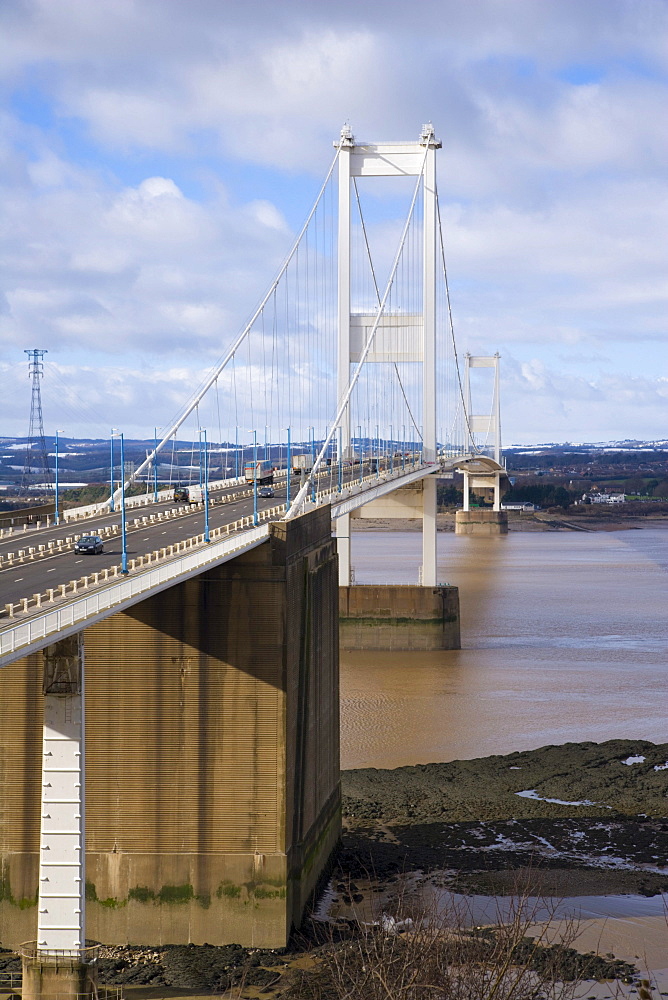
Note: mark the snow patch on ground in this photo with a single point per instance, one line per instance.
(661, 767)
(531, 793)
(639, 759)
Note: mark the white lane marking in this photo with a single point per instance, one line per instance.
(146, 539)
(18, 579)
(51, 570)
(78, 561)
(164, 532)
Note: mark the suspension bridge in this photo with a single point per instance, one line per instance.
(209, 630)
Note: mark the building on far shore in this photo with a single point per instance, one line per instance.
(604, 497)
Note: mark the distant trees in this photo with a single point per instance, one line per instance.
(540, 494)
(561, 497)
(634, 486)
(637, 486)
(449, 495)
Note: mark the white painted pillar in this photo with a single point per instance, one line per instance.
(61, 916)
(343, 364)
(429, 307)
(429, 534)
(467, 495)
(343, 354)
(497, 410)
(497, 491)
(343, 548)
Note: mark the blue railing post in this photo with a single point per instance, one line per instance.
(57, 518)
(155, 464)
(288, 476)
(124, 536)
(111, 467)
(312, 433)
(207, 536)
(255, 518)
(340, 459)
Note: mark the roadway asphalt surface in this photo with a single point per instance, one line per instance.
(35, 577)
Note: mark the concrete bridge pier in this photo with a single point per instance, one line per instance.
(422, 616)
(212, 756)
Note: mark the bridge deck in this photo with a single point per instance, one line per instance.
(180, 540)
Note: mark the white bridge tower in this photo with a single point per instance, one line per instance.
(390, 159)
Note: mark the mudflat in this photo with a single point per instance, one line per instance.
(577, 819)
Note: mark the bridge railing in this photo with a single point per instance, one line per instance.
(69, 618)
(161, 567)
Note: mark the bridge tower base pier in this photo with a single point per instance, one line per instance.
(399, 617)
(481, 521)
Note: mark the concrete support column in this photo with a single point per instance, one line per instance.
(467, 493)
(429, 535)
(213, 764)
(343, 549)
(497, 492)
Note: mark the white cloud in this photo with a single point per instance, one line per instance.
(131, 230)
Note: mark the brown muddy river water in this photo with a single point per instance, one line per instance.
(564, 636)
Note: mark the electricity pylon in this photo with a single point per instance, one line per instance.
(39, 462)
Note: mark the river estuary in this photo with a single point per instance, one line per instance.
(564, 636)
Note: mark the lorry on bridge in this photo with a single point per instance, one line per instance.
(261, 471)
(302, 464)
(187, 494)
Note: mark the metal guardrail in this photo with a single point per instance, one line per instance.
(10, 981)
(86, 956)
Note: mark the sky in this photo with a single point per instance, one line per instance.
(157, 158)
